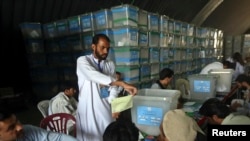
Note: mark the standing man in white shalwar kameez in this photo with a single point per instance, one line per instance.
(97, 87)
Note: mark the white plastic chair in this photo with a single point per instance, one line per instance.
(43, 107)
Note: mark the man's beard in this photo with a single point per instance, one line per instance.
(99, 56)
(20, 134)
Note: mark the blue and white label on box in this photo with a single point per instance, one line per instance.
(143, 38)
(101, 20)
(154, 20)
(133, 35)
(202, 86)
(149, 115)
(86, 22)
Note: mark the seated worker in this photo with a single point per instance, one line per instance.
(216, 65)
(243, 82)
(217, 112)
(120, 89)
(228, 65)
(165, 78)
(239, 64)
(12, 130)
(121, 130)
(178, 126)
(64, 101)
(184, 87)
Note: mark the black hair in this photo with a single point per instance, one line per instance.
(166, 72)
(243, 78)
(119, 73)
(237, 57)
(65, 85)
(228, 64)
(121, 130)
(5, 114)
(214, 106)
(97, 37)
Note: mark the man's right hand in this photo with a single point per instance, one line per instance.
(130, 89)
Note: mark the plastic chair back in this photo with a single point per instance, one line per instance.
(60, 122)
(43, 107)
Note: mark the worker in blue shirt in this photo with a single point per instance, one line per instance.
(12, 130)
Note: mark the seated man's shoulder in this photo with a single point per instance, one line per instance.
(155, 85)
(58, 96)
(31, 128)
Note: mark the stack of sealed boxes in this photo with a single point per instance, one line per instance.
(34, 44)
(164, 41)
(143, 41)
(153, 44)
(125, 51)
(44, 78)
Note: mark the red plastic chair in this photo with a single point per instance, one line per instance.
(60, 122)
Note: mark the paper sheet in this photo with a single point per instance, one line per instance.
(189, 103)
(121, 103)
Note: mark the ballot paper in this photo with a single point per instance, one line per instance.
(190, 103)
(121, 103)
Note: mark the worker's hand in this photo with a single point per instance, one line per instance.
(130, 89)
(115, 115)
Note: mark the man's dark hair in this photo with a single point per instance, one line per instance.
(243, 78)
(97, 37)
(228, 64)
(166, 72)
(214, 106)
(238, 58)
(4, 114)
(67, 85)
(118, 73)
(121, 130)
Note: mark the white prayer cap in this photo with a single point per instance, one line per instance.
(177, 126)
